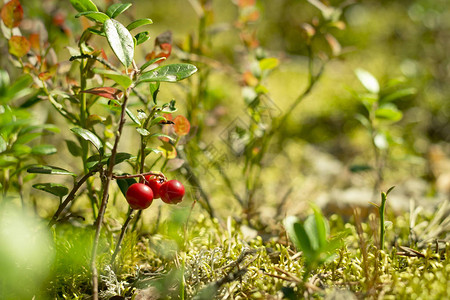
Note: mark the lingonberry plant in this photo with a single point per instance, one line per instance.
(107, 86)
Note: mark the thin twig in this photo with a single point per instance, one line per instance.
(122, 234)
(70, 197)
(138, 175)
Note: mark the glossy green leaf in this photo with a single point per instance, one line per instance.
(142, 37)
(121, 157)
(116, 9)
(168, 73)
(121, 79)
(95, 31)
(74, 148)
(49, 170)
(133, 117)
(368, 81)
(95, 16)
(138, 23)
(88, 136)
(120, 40)
(157, 120)
(84, 5)
(52, 188)
(143, 131)
(43, 150)
(154, 90)
(151, 62)
(124, 184)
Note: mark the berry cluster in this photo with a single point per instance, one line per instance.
(141, 195)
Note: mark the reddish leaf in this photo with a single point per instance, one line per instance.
(106, 92)
(12, 13)
(182, 125)
(35, 42)
(168, 117)
(163, 46)
(45, 75)
(19, 46)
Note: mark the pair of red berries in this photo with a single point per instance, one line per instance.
(140, 195)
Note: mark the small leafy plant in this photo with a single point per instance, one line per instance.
(312, 238)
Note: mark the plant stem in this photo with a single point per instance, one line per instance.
(137, 175)
(382, 226)
(105, 196)
(70, 197)
(122, 234)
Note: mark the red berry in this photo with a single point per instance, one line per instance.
(154, 182)
(171, 192)
(139, 196)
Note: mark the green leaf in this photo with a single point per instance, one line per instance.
(149, 150)
(49, 170)
(47, 127)
(399, 94)
(322, 227)
(138, 23)
(142, 37)
(157, 120)
(19, 149)
(3, 144)
(142, 131)
(83, 5)
(133, 117)
(20, 87)
(268, 63)
(121, 79)
(95, 31)
(359, 168)
(74, 148)
(120, 40)
(151, 62)
(121, 157)
(7, 161)
(168, 73)
(163, 136)
(368, 80)
(154, 90)
(43, 150)
(95, 16)
(116, 9)
(88, 136)
(390, 113)
(52, 188)
(25, 138)
(124, 184)
(305, 244)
